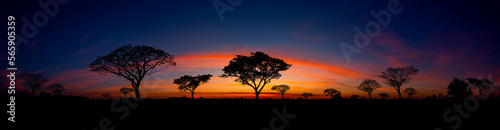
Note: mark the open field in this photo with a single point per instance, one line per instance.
(230, 114)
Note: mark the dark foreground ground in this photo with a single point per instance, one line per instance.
(50, 113)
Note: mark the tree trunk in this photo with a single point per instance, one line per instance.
(136, 88)
(124, 95)
(257, 95)
(192, 94)
(32, 92)
(370, 96)
(399, 93)
(409, 96)
(282, 96)
(137, 94)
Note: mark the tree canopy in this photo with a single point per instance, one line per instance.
(306, 94)
(383, 95)
(396, 77)
(190, 83)
(482, 84)
(33, 81)
(57, 88)
(331, 92)
(281, 89)
(125, 91)
(459, 89)
(410, 91)
(368, 85)
(255, 70)
(132, 63)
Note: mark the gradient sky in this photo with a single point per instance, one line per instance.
(440, 38)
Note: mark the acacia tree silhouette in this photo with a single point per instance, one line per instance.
(410, 91)
(355, 96)
(482, 84)
(125, 91)
(255, 70)
(368, 85)
(396, 77)
(383, 95)
(458, 89)
(57, 88)
(133, 63)
(281, 89)
(331, 92)
(190, 83)
(106, 95)
(34, 81)
(306, 94)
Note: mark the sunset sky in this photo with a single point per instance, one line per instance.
(442, 39)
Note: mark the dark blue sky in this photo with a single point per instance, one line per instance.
(441, 38)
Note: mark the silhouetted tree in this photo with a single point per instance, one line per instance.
(106, 95)
(57, 88)
(281, 89)
(410, 91)
(459, 89)
(355, 96)
(396, 77)
(190, 83)
(306, 94)
(33, 81)
(383, 95)
(255, 70)
(43, 94)
(482, 84)
(368, 85)
(24, 93)
(337, 96)
(440, 96)
(133, 63)
(331, 92)
(125, 91)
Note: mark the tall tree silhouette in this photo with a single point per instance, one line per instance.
(306, 94)
(190, 83)
(281, 89)
(106, 95)
(482, 84)
(133, 63)
(57, 88)
(410, 91)
(33, 81)
(125, 91)
(255, 70)
(383, 95)
(331, 92)
(368, 85)
(396, 77)
(459, 89)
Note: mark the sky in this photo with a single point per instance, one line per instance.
(442, 39)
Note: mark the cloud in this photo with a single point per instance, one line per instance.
(84, 38)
